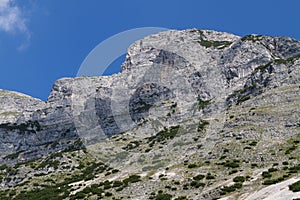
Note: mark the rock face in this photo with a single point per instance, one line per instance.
(197, 114)
(17, 107)
(166, 78)
(31, 128)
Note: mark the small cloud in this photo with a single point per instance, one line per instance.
(13, 21)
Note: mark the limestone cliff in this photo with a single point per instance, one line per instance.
(243, 88)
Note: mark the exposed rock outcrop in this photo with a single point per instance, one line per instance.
(165, 80)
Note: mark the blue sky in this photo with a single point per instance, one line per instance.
(44, 40)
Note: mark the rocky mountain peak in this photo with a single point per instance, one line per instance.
(17, 107)
(192, 98)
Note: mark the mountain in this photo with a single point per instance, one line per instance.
(194, 114)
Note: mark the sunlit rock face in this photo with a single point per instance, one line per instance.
(166, 79)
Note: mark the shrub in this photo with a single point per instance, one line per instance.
(185, 187)
(162, 196)
(253, 143)
(197, 184)
(94, 189)
(198, 177)
(212, 43)
(252, 38)
(294, 169)
(108, 194)
(285, 163)
(233, 171)
(176, 182)
(115, 171)
(202, 103)
(119, 189)
(270, 182)
(168, 187)
(201, 125)
(238, 185)
(181, 198)
(232, 164)
(272, 170)
(78, 195)
(190, 166)
(117, 184)
(239, 179)
(209, 176)
(295, 187)
(242, 99)
(132, 179)
(164, 134)
(254, 165)
(290, 149)
(232, 188)
(3, 167)
(13, 156)
(266, 174)
(49, 192)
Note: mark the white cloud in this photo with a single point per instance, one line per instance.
(12, 20)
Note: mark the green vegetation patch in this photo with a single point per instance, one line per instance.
(295, 169)
(13, 155)
(209, 176)
(181, 198)
(212, 43)
(240, 179)
(49, 163)
(88, 191)
(252, 38)
(232, 188)
(203, 103)
(242, 99)
(199, 177)
(132, 179)
(266, 174)
(163, 196)
(231, 163)
(10, 113)
(49, 192)
(295, 187)
(290, 60)
(202, 124)
(242, 95)
(197, 184)
(167, 133)
(24, 127)
(216, 44)
(273, 181)
(291, 149)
